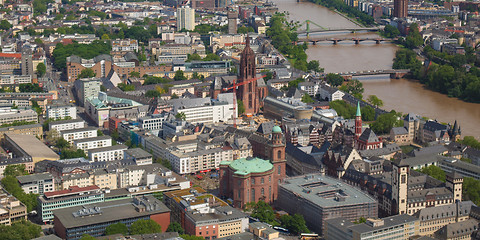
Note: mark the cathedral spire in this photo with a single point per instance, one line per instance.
(247, 41)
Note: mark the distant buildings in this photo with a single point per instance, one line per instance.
(8, 115)
(106, 154)
(63, 125)
(185, 18)
(78, 133)
(319, 198)
(93, 218)
(400, 8)
(232, 22)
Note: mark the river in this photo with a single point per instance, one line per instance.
(400, 94)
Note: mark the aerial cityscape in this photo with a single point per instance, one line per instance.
(239, 119)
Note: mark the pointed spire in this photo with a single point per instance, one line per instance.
(455, 127)
(359, 113)
(247, 41)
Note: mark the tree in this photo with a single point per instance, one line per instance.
(179, 75)
(240, 107)
(360, 220)
(471, 190)
(62, 143)
(21, 230)
(435, 172)
(115, 135)
(343, 109)
(470, 141)
(181, 116)
(193, 57)
(354, 87)
(295, 224)
(386, 122)
(368, 113)
(145, 227)
(263, 212)
(307, 99)
(105, 37)
(41, 69)
(86, 73)
(414, 38)
(5, 25)
(314, 66)
(67, 154)
(390, 31)
(100, 133)
(30, 87)
(11, 185)
(334, 79)
(175, 227)
(87, 237)
(135, 74)
(375, 101)
(126, 87)
(211, 57)
(116, 228)
(15, 170)
(152, 94)
(191, 237)
(174, 96)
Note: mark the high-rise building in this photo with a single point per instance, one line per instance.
(232, 22)
(27, 63)
(185, 18)
(400, 8)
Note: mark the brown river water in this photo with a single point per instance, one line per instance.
(400, 94)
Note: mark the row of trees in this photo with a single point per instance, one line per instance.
(137, 227)
(23, 230)
(351, 12)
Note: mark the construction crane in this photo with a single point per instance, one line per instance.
(234, 87)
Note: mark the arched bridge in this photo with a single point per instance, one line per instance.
(394, 73)
(358, 40)
(308, 24)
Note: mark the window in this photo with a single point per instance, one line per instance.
(253, 195)
(404, 179)
(263, 192)
(262, 181)
(253, 181)
(279, 169)
(269, 178)
(279, 154)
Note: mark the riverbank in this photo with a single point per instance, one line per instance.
(351, 12)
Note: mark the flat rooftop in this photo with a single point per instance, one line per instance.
(99, 138)
(32, 146)
(138, 153)
(326, 191)
(65, 121)
(110, 148)
(34, 177)
(79, 130)
(110, 211)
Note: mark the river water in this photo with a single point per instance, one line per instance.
(400, 94)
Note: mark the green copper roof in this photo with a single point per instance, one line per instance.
(359, 113)
(276, 129)
(245, 166)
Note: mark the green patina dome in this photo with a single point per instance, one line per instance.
(245, 166)
(276, 129)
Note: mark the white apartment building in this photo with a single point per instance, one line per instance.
(61, 111)
(63, 125)
(94, 142)
(199, 160)
(8, 115)
(185, 18)
(15, 79)
(125, 45)
(81, 133)
(106, 154)
(37, 183)
(204, 110)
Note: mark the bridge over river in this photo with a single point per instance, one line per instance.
(394, 73)
(356, 40)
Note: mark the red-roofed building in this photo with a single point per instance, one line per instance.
(74, 196)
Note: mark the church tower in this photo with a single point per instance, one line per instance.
(399, 186)
(276, 149)
(248, 93)
(358, 122)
